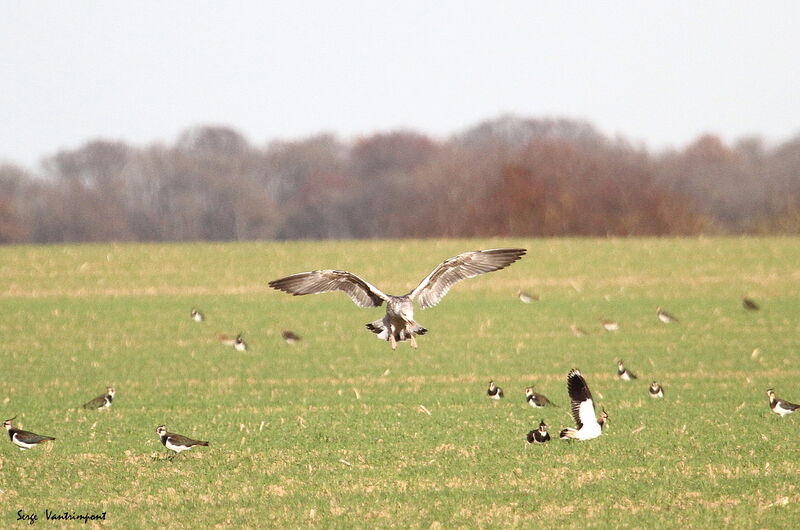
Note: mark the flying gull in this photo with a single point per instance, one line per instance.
(398, 324)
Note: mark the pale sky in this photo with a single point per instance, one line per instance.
(658, 73)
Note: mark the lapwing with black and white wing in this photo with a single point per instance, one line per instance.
(750, 304)
(494, 391)
(609, 325)
(536, 400)
(102, 402)
(24, 439)
(623, 373)
(176, 442)
(588, 424)
(398, 323)
(540, 435)
(780, 406)
(665, 317)
(527, 298)
(656, 390)
(197, 315)
(290, 336)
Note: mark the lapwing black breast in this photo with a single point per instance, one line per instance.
(540, 435)
(623, 373)
(290, 336)
(197, 315)
(494, 391)
(656, 390)
(749, 304)
(239, 344)
(176, 442)
(610, 325)
(665, 317)
(536, 400)
(102, 402)
(780, 406)
(527, 298)
(588, 424)
(24, 439)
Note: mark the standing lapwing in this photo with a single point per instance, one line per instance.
(623, 373)
(24, 439)
(494, 392)
(239, 344)
(749, 304)
(398, 324)
(656, 390)
(780, 406)
(536, 400)
(578, 332)
(102, 402)
(609, 325)
(665, 317)
(176, 442)
(526, 298)
(540, 435)
(589, 426)
(197, 315)
(290, 336)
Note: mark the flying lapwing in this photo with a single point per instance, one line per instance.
(665, 317)
(780, 406)
(197, 315)
(623, 373)
(656, 390)
(102, 402)
(540, 435)
(589, 425)
(176, 442)
(526, 298)
(24, 439)
(749, 304)
(290, 336)
(494, 391)
(610, 325)
(536, 400)
(398, 324)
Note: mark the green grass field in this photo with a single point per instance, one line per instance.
(332, 432)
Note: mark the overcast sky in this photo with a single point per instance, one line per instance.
(660, 73)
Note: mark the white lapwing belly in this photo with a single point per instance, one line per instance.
(19, 443)
(176, 448)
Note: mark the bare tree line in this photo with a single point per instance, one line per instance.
(505, 177)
